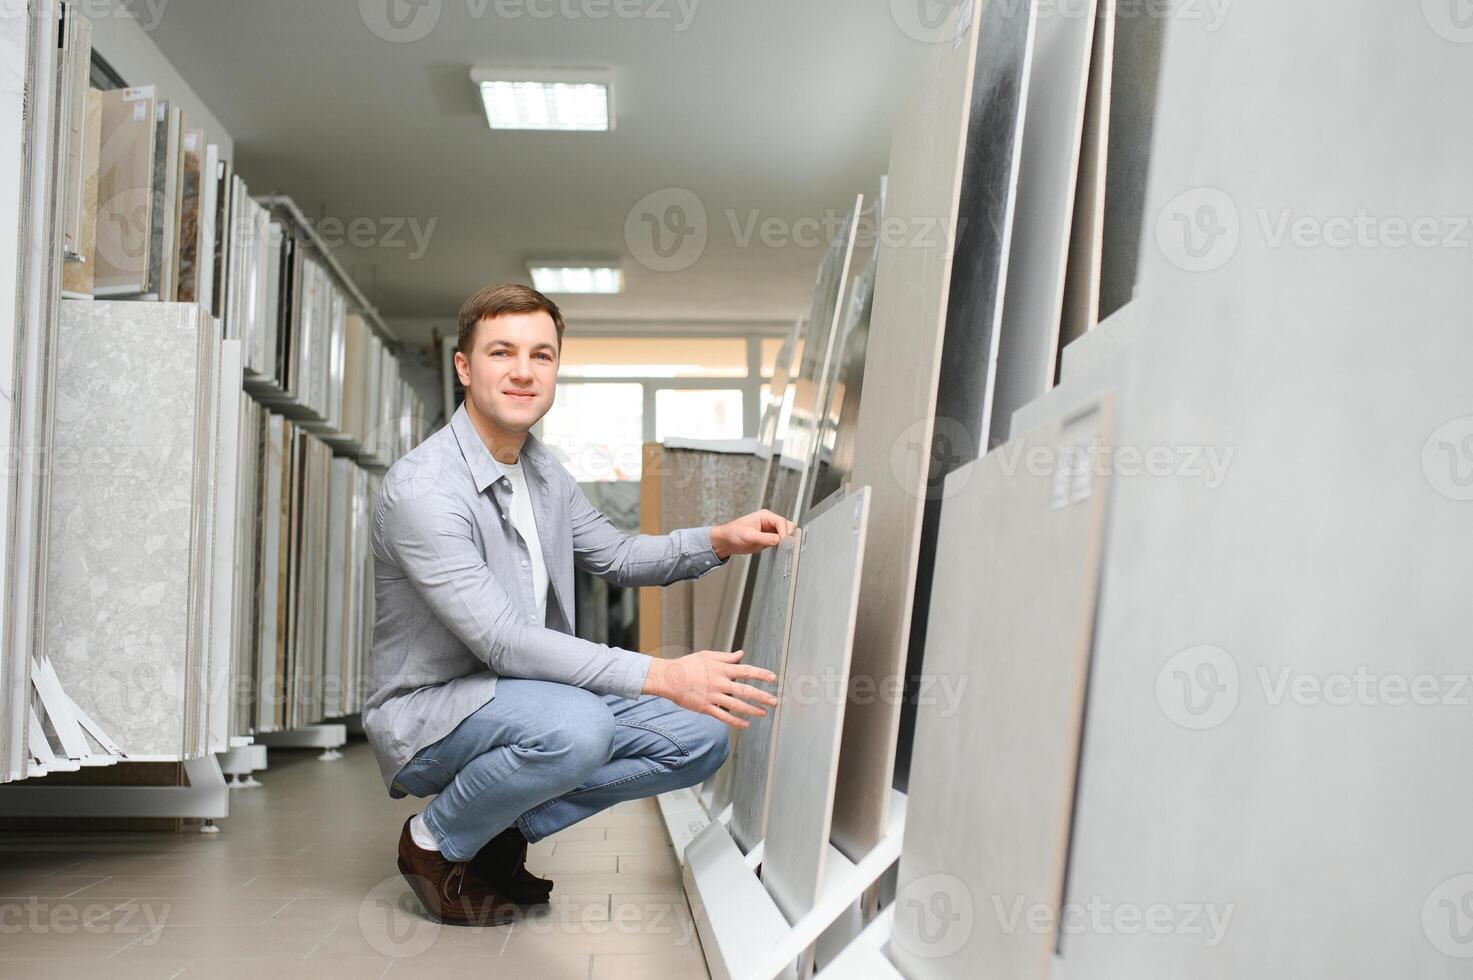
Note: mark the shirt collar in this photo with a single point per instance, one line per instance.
(485, 468)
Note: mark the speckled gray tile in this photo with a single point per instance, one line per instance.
(121, 627)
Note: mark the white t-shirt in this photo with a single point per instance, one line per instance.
(523, 520)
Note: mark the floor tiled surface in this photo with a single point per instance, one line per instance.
(301, 883)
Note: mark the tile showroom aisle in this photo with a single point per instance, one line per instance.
(302, 883)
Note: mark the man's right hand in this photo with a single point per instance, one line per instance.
(710, 682)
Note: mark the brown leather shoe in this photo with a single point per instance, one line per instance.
(502, 863)
(451, 891)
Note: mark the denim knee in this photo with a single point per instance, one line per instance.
(710, 741)
(584, 741)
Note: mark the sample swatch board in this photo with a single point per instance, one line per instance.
(893, 436)
(125, 623)
(793, 486)
(1082, 287)
(815, 686)
(125, 191)
(1272, 602)
(766, 647)
(1048, 171)
(992, 777)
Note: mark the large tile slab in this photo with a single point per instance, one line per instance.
(766, 647)
(815, 691)
(121, 616)
(125, 191)
(896, 415)
(1013, 607)
(1047, 181)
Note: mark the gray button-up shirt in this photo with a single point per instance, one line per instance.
(453, 588)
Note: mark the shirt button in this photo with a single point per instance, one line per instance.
(524, 564)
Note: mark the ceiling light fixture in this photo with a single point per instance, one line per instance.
(600, 277)
(579, 100)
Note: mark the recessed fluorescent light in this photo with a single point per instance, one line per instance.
(546, 99)
(576, 277)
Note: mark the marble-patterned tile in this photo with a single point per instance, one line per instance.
(76, 277)
(125, 181)
(190, 225)
(118, 587)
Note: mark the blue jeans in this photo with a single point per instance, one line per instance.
(545, 755)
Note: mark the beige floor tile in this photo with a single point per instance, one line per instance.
(60, 969)
(228, 941)
(644, 966)
(196, 886)
(46, 886)
(575, 862)
(63, 937)
(302, 882)
(276, 968)
(207, 910)
(536, 964)
(623, 882)
(651, 831)
(629, 929)
(579, 831)
(635, 845)
(650, 862)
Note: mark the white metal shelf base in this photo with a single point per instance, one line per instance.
(864, 958)
(744, 934)
(329, 738)
(204, 798)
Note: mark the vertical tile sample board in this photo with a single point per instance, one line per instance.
(699, 487)
(13, 33)
(1082, 288)
(76, 68)
(793, 481)
(32, 369)
(766, 647)
(123, 620)
(992, 781)
(1261, 642)
(815, 678)
(975, 313)
(1126, 228)
(190, 224)
(226, 550)
(836, 436)
(76, 276)
(1048, 172)
(731, 620)
(979, 273)
(125, 191)
(896, 417)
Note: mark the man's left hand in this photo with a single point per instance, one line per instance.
(750, 534)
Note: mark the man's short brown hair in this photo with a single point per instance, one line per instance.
(499, 300)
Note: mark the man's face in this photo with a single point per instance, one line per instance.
(510, 376)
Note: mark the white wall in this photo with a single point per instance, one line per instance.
(120, 35)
